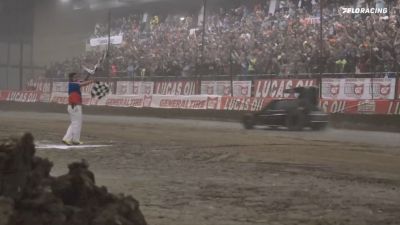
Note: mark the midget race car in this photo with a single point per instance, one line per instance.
(295, 114)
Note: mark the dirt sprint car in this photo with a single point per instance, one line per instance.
(295, 114)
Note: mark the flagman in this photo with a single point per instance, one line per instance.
(73, 135)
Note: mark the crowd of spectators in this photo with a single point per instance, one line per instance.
(250, 40)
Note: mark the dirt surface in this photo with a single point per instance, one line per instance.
(188, 172)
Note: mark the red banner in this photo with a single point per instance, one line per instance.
(398, 89)
(275, 88)
(381, 107)
(176, 87)
(20, 96)
(393, 108)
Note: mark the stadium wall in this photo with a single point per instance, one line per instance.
(60, 32)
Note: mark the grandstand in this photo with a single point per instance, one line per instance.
(263, 37)
(166, 38)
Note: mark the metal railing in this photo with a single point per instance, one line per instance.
(244, 77)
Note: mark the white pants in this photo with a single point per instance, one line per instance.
(74, 129)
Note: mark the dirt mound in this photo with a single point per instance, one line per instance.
(29, 195)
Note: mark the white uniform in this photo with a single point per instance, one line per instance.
(74, 130)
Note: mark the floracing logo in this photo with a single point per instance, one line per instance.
(363, 10)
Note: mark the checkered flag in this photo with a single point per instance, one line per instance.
(98, 65)
(99, 90)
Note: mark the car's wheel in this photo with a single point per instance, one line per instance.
(318, 126)
(295, 120)
(248, 122)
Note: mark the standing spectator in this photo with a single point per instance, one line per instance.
(114, 70)
(130, 70)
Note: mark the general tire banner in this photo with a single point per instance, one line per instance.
(274, 88)
(20, 96)
(380, 107)
(134, 88)
(176, 87)
(125, 101)
(243, 103)
(62, 98)
(359, 88)
(181, 102)
(223, 88)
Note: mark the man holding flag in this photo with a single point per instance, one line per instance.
(73, 134)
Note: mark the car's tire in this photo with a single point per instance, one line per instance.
(295, 120)
(248, 122)
(319, 126)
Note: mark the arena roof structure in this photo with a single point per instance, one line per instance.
(106, 4)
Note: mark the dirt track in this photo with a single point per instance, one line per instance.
(187, 172)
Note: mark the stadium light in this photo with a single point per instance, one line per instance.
(182, 18)
(65, 1)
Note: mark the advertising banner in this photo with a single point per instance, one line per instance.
(20, 96)
(223, 88)
(175, 88)
(115, 40)
(359, 88)
(274, 88)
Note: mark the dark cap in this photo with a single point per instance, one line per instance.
(71, 75)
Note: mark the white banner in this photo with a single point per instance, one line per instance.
(134, 88)
(125, 101)
(275, 88)
(124, 88)
(175, 87)
(358, 88)
(60, 87)
(143, 88)
(115, 40)
(38, 85)
(223, 88)
(180, 102)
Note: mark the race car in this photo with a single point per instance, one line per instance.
(295, 114)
